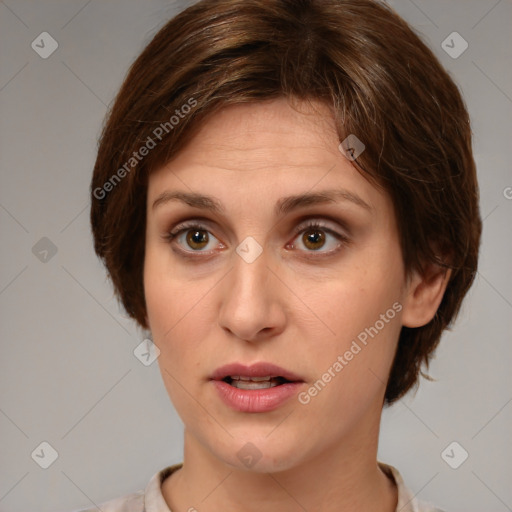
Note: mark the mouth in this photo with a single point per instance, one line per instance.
(256, 376)
(244, 382)
(259, 388)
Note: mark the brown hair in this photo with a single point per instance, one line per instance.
(356, 56)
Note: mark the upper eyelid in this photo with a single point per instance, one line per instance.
(301, 224)
(313, 222)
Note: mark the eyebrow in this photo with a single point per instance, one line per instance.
(282, 207)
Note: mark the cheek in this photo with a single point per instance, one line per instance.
(166, 305)
(362, 308)
(172, 310)
(352, 372)
(354, 301)
(170, 295)
(180, 317)
(176, 317)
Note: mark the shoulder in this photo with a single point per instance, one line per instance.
(426, 507)
(130, 503)
(407, 502)
(149, 498)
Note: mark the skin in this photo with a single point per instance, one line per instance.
(293, 306)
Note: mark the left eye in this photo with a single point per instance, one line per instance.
(315, 237)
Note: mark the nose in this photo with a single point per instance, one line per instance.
(252, 300)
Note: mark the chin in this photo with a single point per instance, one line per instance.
(259, 454)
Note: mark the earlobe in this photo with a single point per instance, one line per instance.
(425, 292)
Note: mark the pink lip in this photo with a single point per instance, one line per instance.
(255, 400)
(255, 370)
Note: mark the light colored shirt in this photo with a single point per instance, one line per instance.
(151, 499)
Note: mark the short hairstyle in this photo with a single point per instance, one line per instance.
(379, 80)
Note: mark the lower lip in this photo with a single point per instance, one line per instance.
(256, 400)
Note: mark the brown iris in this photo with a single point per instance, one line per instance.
(197, 238)
(313, 237)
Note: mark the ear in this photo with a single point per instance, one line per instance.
(424, 295)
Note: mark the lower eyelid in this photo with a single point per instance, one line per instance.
(340, 245)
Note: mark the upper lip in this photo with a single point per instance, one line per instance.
(262, 369)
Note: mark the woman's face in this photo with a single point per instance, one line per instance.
(265, 245)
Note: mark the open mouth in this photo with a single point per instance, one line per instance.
(257, 388)
(241, 382)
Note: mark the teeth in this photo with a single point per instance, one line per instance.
(253, 379)
(249, 384)
(242, 382)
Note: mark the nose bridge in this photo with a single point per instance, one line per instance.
(249, 285)
(250, 272)
(250, 301)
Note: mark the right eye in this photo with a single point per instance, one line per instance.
(192, 235)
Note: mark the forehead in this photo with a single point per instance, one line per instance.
(251, 136)
(261, 150)
(272, 130)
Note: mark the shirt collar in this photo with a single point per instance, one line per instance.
(154, 499)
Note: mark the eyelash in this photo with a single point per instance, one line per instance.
(311, 225)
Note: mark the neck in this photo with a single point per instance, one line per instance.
(344, 476)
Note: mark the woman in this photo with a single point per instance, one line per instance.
(285, 197)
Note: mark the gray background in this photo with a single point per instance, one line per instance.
(68, 375)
